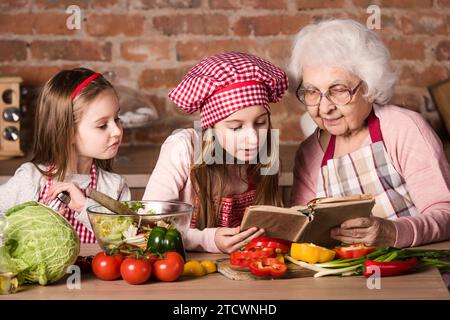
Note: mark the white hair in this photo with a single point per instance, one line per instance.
(349, 45)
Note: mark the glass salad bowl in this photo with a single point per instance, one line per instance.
(156, 227)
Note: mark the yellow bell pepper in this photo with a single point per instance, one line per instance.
(311, 253)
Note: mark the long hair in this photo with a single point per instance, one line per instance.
(57, 118)
(210, 180)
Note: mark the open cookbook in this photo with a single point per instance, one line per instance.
(310, 223)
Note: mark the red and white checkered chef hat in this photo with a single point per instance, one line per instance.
(223, 84)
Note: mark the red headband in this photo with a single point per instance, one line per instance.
(84, 84)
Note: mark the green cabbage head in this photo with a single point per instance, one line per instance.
(40, 243)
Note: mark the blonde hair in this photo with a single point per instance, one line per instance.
(210, 180)
(57, 118)
(349, 45)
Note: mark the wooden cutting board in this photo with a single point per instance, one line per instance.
(240, 273)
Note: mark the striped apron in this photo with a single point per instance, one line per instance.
(232, 209)
(85, 235)
(367, 170)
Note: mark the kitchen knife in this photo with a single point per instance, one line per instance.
(108, 202)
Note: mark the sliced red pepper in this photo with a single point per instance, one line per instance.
(272, 261)
(257, 253)
(263, 240)
(240, 258)
(258, 269)
(267, 266)
(390, 268)
(280, 245)
(259, 248)
(240, 255)
(353, 251)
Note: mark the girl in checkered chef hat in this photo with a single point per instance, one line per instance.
(219, 168)
(77, 134)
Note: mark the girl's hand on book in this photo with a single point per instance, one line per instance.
(77, 198)
(372, 231)
(229, 240)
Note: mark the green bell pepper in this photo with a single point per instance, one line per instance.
(163, 240)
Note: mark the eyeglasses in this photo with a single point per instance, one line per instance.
(338, 94)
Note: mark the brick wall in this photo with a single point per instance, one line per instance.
(150, 44)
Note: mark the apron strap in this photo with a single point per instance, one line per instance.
(44, 191)
(374, 131)
(49, 182)
(329, 153)
(374, 128)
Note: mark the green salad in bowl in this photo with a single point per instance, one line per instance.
(156, 227)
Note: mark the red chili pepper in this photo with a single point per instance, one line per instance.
(267, 266)
(280, 245)
(389, 268)
(353, 251)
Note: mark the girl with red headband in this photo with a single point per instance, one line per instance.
(77, 134)
(219, 168)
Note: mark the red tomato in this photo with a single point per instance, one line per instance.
(170, 267)
(107, 267)
(151, 257)
(136, 271)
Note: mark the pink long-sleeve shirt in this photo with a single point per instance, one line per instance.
(170, 180)
(417, 155)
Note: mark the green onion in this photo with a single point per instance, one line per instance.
(342, 263)
(355, 266)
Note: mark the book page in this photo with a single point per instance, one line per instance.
(328, 216)
(300, 224)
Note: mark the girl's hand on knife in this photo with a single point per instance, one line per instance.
(77, 198)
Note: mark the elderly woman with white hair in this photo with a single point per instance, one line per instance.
(363, 144)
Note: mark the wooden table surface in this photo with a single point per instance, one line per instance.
(427, 284)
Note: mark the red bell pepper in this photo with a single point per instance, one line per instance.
(267, 266)
(353, 251)
(257, 253)
(259, 248)
(390, 268)
(280, 245)
(243, 258)
(240, 258)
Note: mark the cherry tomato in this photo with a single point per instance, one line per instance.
(136, 271)
(107, 267)
(170, 267)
